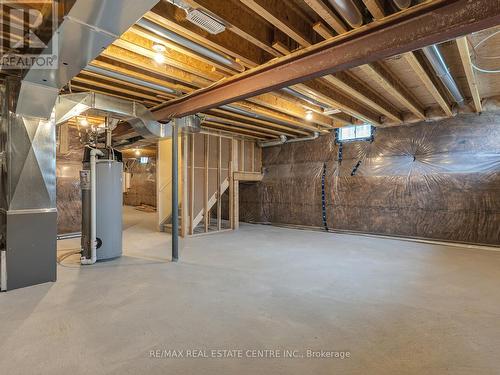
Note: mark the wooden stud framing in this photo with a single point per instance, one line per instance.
(463, 49)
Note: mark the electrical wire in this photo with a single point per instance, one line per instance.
(476, 48)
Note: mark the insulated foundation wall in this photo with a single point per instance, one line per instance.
(437, 180)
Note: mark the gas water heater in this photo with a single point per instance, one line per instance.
(108, 204)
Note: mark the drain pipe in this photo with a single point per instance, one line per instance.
(187, 43)
(284, 140)
(439, 65)
(93, 218)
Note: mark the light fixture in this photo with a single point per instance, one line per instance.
(159, 56)
(137, 152)
(159, 48)
(84, 122)
(309, 115)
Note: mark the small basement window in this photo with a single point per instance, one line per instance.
(355, 133)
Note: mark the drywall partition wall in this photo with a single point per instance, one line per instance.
(436, 180)
(142, 188)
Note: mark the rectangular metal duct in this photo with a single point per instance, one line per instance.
(28, 216)
(89, 28)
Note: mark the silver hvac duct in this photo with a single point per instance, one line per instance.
(123, 77)
(282, 140)
(439, 65)
(349, 11)
(299, 95)
(136, 114)
(89, 27)
(176, 38)
(402, 4)
(28, 215)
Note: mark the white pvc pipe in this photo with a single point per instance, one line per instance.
(93, 204)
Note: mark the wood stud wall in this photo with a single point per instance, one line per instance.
(213, 164)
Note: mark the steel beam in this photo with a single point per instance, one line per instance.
(419, 26)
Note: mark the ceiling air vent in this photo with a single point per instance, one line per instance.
(205, 21)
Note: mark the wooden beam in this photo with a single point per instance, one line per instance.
(248, 176)
(265, 124)
(131, 58)
(415, 28)
(394, 87)
(241, 21)
(233, 130)
(337, 99)
(463, 49)
(412, 60)
(376, 8)
(276, 103)
(360, 91)
(328, 15)
(142, 46)
(322, 30)
(228, 42)
(281, 48)
(285, 17)
(223, 120)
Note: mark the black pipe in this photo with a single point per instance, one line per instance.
(175, 194)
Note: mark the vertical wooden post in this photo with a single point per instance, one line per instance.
(184, 178)
(206, 211)
(219, 184)
(191, 188)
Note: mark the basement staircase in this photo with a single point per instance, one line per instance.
(166, 224)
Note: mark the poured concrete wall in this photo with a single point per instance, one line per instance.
(432, 180)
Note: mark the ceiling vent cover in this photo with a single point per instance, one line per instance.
(205, 21)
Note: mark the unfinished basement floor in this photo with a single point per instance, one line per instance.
(398, 307)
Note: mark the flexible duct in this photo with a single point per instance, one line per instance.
(402, 4)
(349, 11)
(176, 38)
(439, 65)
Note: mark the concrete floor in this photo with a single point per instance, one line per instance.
(397, 307)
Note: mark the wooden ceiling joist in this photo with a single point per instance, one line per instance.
(463, 49)
(335, 22)
(376, 8)
(229, 43)
(285, 17)
(385, 79)
(412, 60)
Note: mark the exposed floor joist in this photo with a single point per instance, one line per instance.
(463, 49)
(415, 29)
